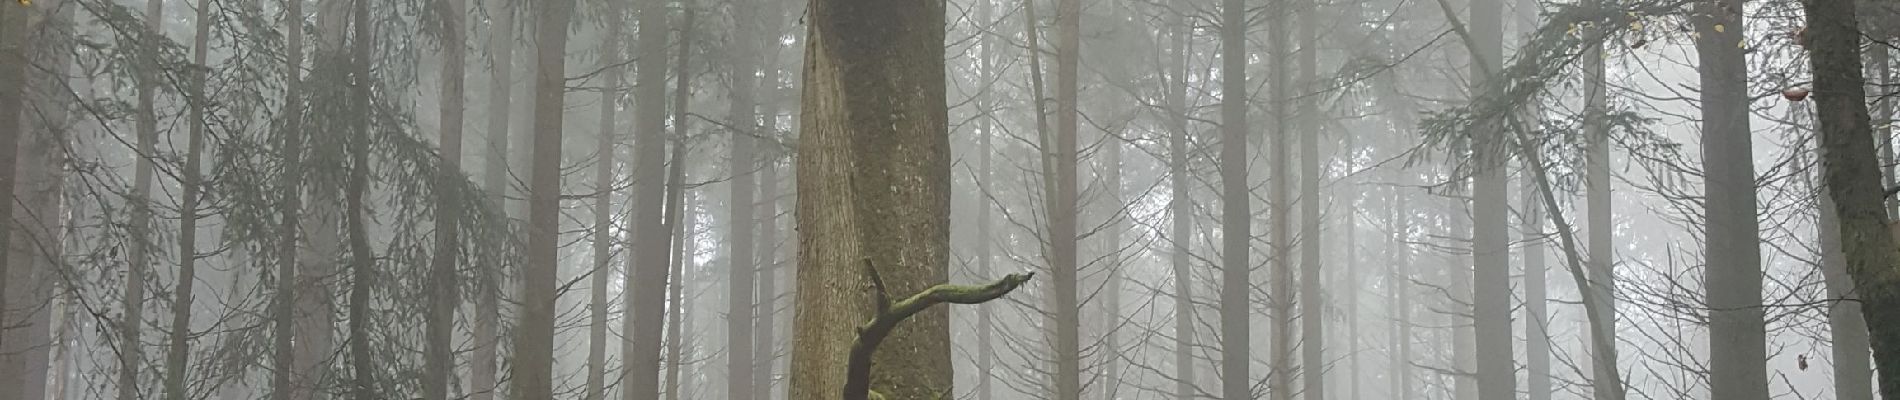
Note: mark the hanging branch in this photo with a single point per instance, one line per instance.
(857, 383)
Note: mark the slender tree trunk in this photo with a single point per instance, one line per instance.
(534, 347)
(1853, 179)
(740, 250)
(362, 257)
(1398, 277)
(604, 158)
(179, 337)
(1734, 274)
(985, 223)
(873, 184)
(1181, 210)
(131, 323)
(763, 339)
(285, 380)
(1062, 207)
(1280, 207)
(676, 220)
(1536, 281)
(1597, 199)
(1236, 219)
(1312, 311)
(487, 319)
(444, 286)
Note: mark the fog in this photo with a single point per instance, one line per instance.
(948, 199)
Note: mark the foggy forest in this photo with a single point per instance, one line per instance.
(949, 199)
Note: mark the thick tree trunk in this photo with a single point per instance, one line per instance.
(1536, 311)
(1854, 181)
(873, 184)
(604, 158)
(676, 220)
(1734, 274)
(444, 286)
(534, 346)
(179, 337)
(645, 285)
(14, 48)
(1236, 219)
(36, 182)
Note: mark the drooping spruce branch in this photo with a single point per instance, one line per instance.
(857, 383)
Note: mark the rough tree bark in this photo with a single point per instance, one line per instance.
(290, 184)
(1853, 179)
(873, 183)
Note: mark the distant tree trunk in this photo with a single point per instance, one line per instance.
(1117, 224)
(444, 285)
(1734, 275)
(1853, 179)
(315, 305)
(1312, 310)
(487, 319)
(132, 320)
(1062, 205)
(1181, 210)
(676, 221)
(1280, 217)
(285, 379)
(1398, 275)
(764, 339)
(362, 258)
(1536, 279)
(1852, 371)
(985, 223)
(1491, 247)
(742, 119)
(179, 337)
(1236, 219)
(534, 347)
(604, 158)
(873, 184)
(1536, 311)
(1457, 295)
(1597, 199)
